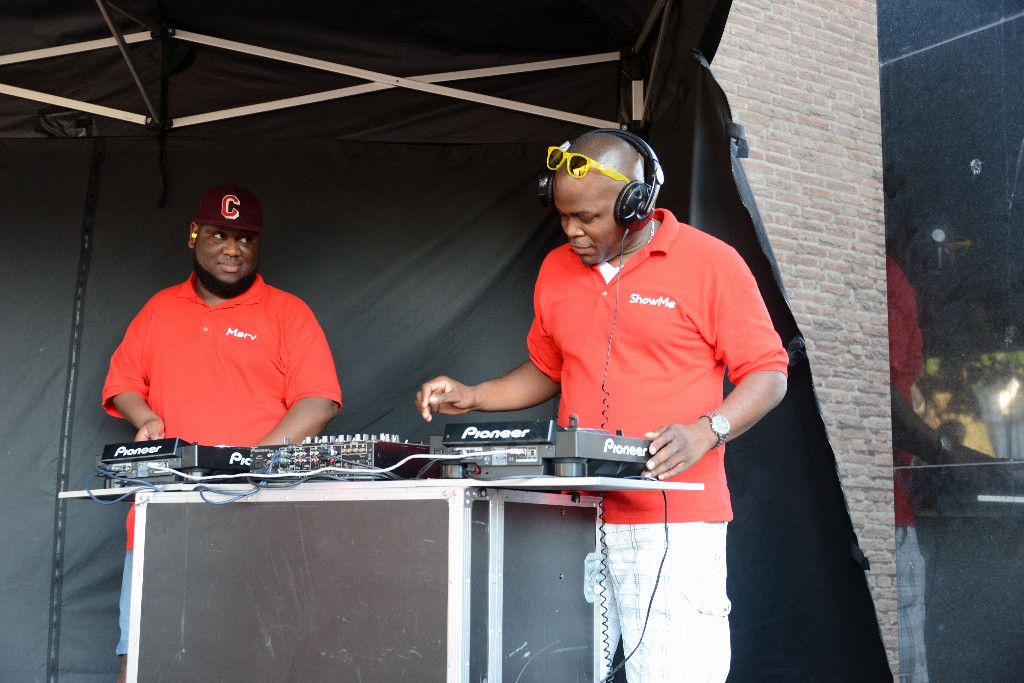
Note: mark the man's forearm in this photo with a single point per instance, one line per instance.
(134, 408)
(752, 398)
(306, 417)
(523, 387)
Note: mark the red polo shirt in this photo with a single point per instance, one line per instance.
(227, 374)
(684, 309)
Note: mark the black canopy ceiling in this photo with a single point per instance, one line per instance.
(183, 76)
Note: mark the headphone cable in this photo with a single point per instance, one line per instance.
(611, 334)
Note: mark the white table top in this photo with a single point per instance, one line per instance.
(526, 483)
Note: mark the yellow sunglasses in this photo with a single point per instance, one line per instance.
(577, 164)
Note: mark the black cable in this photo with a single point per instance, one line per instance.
(235, 496)
(142, 485)
(426, 468)
(650, 603)
(606, 645)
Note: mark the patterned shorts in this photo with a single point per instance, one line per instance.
(683, 633)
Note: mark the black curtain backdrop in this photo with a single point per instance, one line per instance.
(411, 227)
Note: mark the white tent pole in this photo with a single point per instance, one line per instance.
(379, 82)
(376, 87)
(519, 68)
(19, 57)
(275, 105)
(73, 104)
(63, 50)
(394, 81)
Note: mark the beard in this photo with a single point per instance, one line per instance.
(227, 290)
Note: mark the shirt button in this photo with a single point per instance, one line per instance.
(206, 329)
(604, 293)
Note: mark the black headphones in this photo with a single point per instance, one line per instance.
(635, 203)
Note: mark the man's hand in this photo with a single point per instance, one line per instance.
(675, 447)
(137, 411)
(150, 430)
(522, 387)
(446, 396)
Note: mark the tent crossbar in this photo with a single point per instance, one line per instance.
(74, 48)
(122, 46)
(235, 112)
(393, 81)
(378, 82)
(377, 87)
(525, 67)
(78, 105)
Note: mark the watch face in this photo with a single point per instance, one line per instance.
(720, 425)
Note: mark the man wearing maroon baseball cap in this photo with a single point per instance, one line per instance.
(222, 358)
(230, 206)
(226, 213)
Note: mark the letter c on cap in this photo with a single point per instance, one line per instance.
(229, 206)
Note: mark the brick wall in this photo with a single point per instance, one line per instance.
(802, 78)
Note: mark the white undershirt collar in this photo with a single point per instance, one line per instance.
(607, 270)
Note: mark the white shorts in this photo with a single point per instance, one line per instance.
(686, 636)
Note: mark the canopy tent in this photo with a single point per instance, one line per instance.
(178, 69)
(396, 148)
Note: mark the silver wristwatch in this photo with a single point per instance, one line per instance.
(720, 426)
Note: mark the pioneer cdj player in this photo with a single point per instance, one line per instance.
(152, 460)
(495, 450)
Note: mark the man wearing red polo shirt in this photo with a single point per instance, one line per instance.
(637, 320)
(222, 358)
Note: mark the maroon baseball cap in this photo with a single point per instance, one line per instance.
(230, 206)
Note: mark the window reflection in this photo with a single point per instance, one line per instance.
(952, 104)
(981, 398)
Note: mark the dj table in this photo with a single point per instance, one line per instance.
(433, 580)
